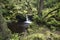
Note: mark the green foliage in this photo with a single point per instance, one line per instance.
(11, 8)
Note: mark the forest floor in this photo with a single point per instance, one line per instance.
(39, 32)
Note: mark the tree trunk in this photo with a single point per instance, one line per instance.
(40, 4)
(4, 32)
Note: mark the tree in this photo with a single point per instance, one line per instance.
(40, 7)
(4, 32)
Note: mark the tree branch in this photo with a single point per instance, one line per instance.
(51, 12)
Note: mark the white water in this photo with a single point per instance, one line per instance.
(27, 20)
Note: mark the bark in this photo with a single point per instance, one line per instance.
(40, 7)
(4, 33)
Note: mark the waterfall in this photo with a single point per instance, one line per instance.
(27, 20)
